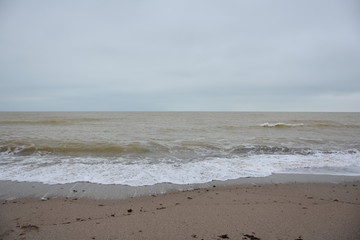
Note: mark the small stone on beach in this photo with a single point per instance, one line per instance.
(224, 236)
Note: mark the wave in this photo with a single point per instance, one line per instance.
(107, 171)
(155, 151)
(80, 149)
(309, 123)
(271, 150)
(267, 124)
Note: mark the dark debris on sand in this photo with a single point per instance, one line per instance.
(250, 237)
(30, 227)
(224, 236)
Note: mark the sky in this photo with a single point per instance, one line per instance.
(180, 55)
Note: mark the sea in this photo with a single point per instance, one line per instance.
(146, 148)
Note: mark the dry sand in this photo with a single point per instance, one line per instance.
(288, 211)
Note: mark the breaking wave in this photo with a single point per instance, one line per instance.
(120, 170)
(312, 123)
(154, 150)
(282, 124)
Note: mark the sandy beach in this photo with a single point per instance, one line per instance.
(248, 211)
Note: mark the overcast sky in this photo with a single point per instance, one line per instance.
(186, 55)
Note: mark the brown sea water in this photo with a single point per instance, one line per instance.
(144, 148)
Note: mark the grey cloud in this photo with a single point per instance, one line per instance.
(178, 55)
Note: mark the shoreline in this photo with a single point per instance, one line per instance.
(10, 190)
(306, 208)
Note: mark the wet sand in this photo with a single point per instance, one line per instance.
(249, 211)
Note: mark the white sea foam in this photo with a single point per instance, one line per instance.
(102, 171)
(280, 124)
